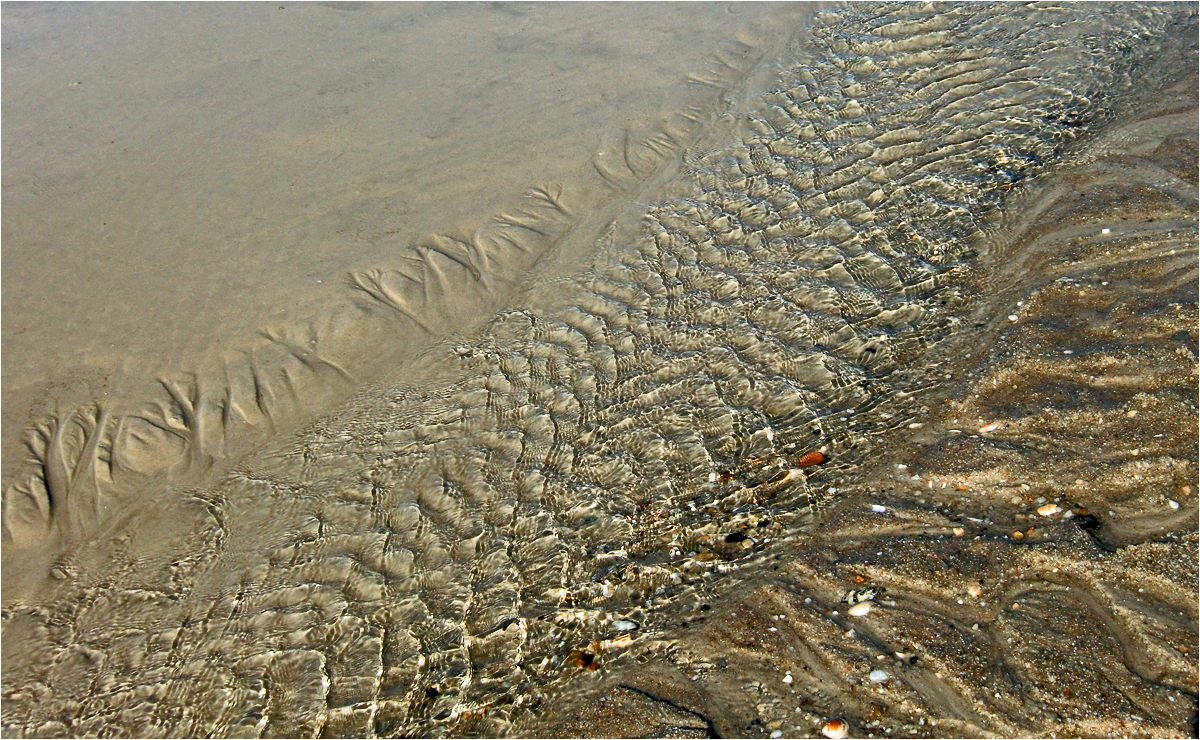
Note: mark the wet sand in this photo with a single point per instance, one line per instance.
(968, 280)
(197, 176)
(1020, 560)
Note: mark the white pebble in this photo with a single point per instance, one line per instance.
(624, 625)
(1013, 317)
(788, 678)
(879, 676)
(860, 610)
(878, 509)
(776, 733)
(1173, 504)
(989, 427)
(1048, 510)
(1105, 231)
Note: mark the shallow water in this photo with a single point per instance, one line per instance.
(953, 239)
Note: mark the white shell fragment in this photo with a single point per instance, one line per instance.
(989, 427)
(860, 610)
(878, 509)
(1173, 504)
(835, 729)
(879, 676)
(1048, 510)
(624, 625)
(860, 595)
(788, 678)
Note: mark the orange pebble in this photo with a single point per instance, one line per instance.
(816, 457)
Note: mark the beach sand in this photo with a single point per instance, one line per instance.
(734, 372)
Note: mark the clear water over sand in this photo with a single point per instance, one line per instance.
(854, 346)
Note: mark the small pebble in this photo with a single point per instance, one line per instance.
(788, 678)
(860, 610)
(989, 427)
(777, 733)
(1105, 231)
(624, 625)
(974, 590)
(1012, 317)
(878, 509)
(1173, 504)
(1048, 510)
(879, 676)
(835, 729)
(959, 531)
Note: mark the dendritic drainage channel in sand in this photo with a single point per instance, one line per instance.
(100, 465)
(626, 445)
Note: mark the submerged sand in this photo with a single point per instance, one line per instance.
(951, 250)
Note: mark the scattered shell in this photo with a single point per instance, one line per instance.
(776, 733)
(974, 590)
(816, 457)
(617, 642)
(959, 531)
(861, 595)
(860, 610)
(835, 729)
(878, 509)
(1048, 510)
(624, 625)
(879, 676)
(989, 427)
(1012, 317)
(1173, 504)
(788, 678)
